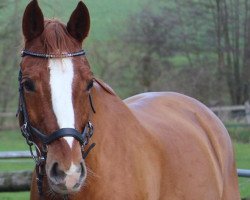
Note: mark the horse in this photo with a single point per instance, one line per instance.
(91, 145)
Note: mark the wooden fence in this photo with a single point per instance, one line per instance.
(14, 154)
(228, 114)
(8, 120)
(239, 114)
(20, 181)
(15, 181)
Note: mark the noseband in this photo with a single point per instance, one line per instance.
(30, 133)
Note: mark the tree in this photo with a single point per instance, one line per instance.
(9, 60)
(158, 37)
(197, 31)
(231, 20)
(149, 44)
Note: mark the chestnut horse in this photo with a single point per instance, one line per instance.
(155, 146)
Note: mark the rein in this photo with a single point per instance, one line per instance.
(30, 133)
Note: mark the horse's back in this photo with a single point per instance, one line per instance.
(197, 149)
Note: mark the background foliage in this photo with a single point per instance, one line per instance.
(196, 47)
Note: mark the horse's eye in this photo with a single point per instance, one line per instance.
(29, 85)
(90, 85)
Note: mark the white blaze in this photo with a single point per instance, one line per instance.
(61, 79)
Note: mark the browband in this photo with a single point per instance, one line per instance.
(42, 55)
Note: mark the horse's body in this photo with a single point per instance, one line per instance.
(153, 146)
(157, 146)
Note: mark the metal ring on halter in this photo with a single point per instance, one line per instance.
(26, 134)
(38, 158)
(91, 129)
(24, 130)
(89, 132)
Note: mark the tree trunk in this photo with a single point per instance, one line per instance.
(246, 55)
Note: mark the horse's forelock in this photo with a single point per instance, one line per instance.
(56, 39)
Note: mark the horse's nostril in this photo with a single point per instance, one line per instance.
(56, 174)
(77, 185)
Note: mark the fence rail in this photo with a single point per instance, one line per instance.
(7, 114)
(228, 108)
(24, 177)
(243, 173)
(8, 120)
(237, 113)
(15, 154)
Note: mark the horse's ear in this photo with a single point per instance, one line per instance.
(33, 21)
(79, 22)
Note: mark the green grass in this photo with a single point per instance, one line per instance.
(239, 133)
(242, 152)
(13, 141)
(14, 195)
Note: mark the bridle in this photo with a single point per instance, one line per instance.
(30, 133)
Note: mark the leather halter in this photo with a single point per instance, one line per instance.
(30, 133)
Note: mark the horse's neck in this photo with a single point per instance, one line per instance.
(112, 118)
(122, 149)
(116, 128)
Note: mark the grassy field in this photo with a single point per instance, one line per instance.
(14, 196)
(13, 141)
(242, 152)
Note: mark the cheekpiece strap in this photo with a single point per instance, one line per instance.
(42, 55)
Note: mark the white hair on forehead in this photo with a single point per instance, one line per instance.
(61, 80)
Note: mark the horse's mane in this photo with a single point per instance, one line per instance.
(105, 86)
(56, 38)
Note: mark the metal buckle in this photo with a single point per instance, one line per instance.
(24, 130)
(25, 133)
(89, 133)
(91, 129)
(37, 157)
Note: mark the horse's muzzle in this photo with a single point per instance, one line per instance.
(66, 182)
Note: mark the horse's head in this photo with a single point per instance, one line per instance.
(55, 93)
